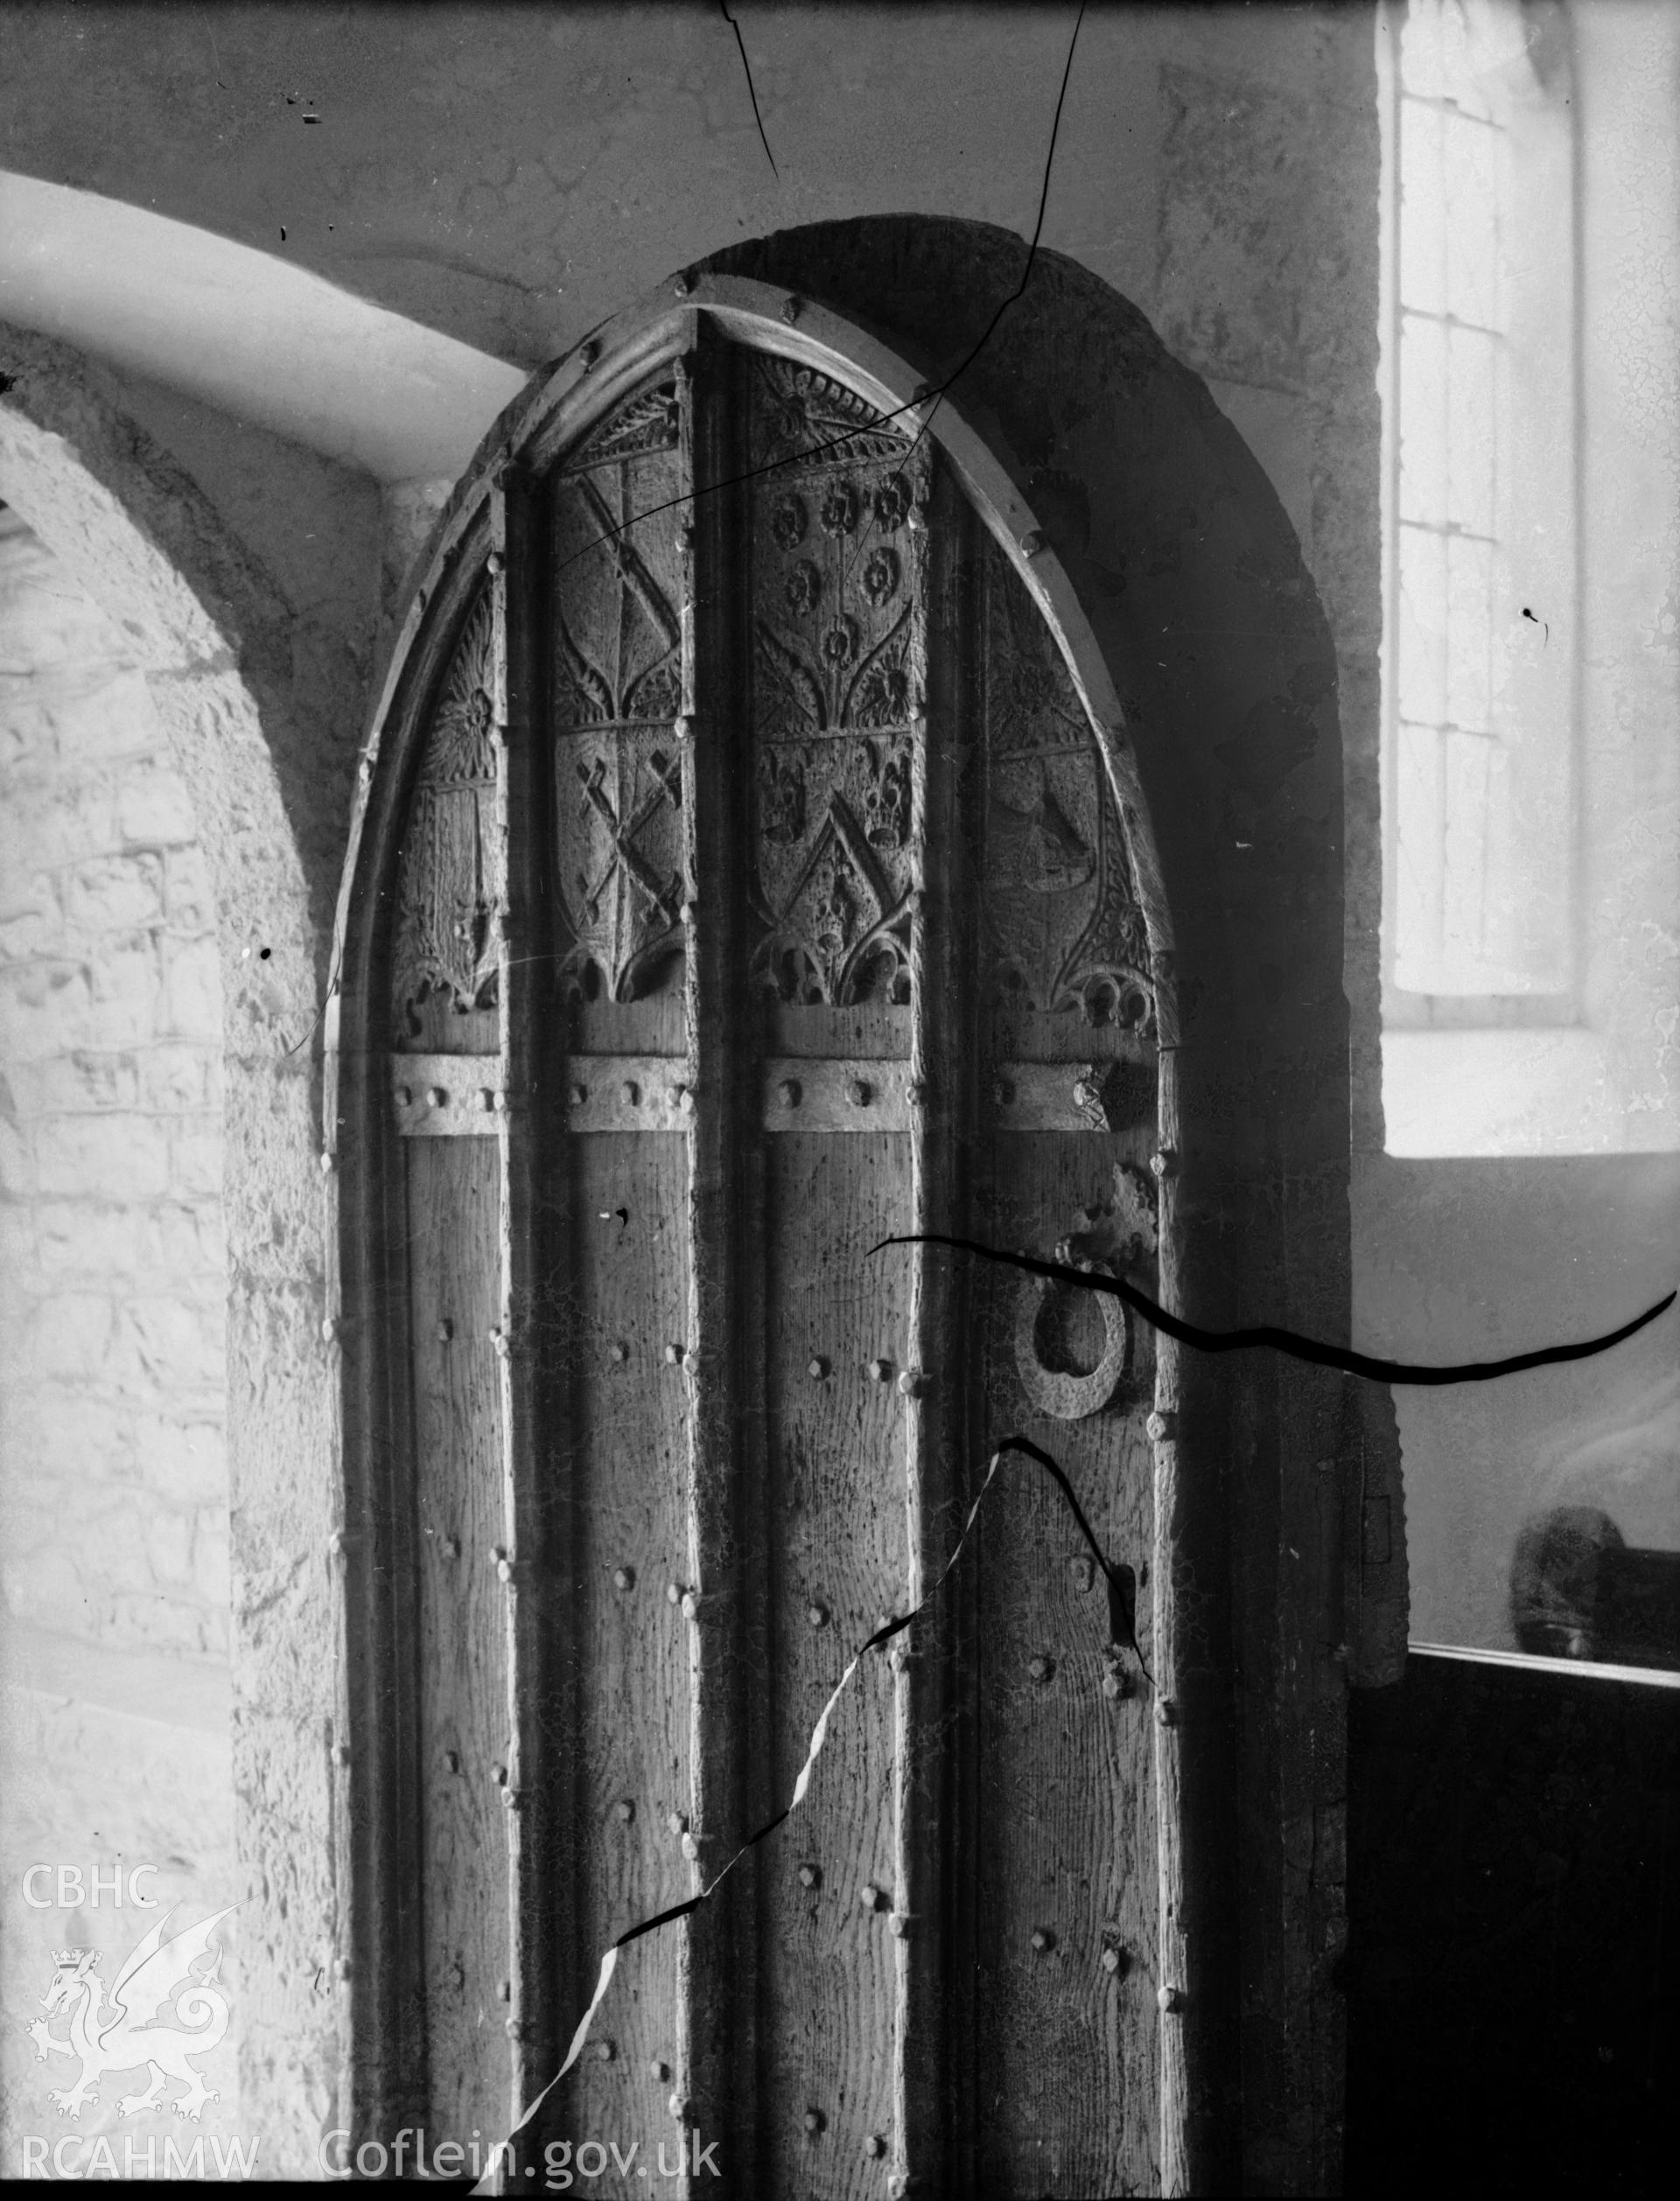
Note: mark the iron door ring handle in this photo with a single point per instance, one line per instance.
(1053, 1391)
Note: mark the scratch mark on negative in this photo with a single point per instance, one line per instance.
(935, 391)
(751, 93)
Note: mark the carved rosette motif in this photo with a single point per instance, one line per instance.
(836, 684)
(449, 875)
(1065, 931)
(616, 687)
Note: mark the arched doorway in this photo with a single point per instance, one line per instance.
(750, 867)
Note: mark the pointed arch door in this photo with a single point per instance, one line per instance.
(741, 877)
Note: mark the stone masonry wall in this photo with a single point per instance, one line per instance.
(111, 1047)
(114, 1514)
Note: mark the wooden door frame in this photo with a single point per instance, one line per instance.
(375, 1866)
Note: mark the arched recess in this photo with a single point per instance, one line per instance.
(635, 1447)
(218, 643)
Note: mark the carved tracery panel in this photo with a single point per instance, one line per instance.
(837, 545)
(617, 687)
(1064, 928)
(449, 873)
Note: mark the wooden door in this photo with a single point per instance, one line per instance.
(740, 883)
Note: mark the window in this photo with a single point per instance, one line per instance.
(1480, 358)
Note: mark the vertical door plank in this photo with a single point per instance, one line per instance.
(938, 1424)
(835, 660)
(629, 1418)
(726, 1536)
(1064, 1841)
(836, 1496)
(453, 1194)
(447, 1001)
(617, 1716)
(1065, 1848)
(534, 1234)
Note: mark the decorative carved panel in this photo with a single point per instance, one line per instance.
(617, 671)
(1064, 929)
(799, 414)
(836, 685)
(620, 834)
(449, 880)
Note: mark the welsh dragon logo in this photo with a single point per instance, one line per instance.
(128, 2035)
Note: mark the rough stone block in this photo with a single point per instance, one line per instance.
(157, 1622)
(44, 1587)
(188, 899)
(125, 997)
(71, 821)
(34, 925)
(109, 717)
(72, 1437)
(167, 1346)
(117, 1156)
(179, 1074)
(26, 744)
(152, 807)
(284, 1614)
(191, 1241)
(86, 1079)
(168, 1547)
(280, 1407)
(18, 1261)
(276, 1208)
(30, 1508)
(70, 1335)
(92, 1239)
(192, 980)
(110, 1535)
(113, 894)
(184, 1463)
(196, 1158)
(38, 1007)
(17, 1162)
(281, 1771)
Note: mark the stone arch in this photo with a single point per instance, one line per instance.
(230, 677)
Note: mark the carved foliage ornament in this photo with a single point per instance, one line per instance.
(448, 876)
(837, 678)
(1065, 927)
(833, 827)
(799, 414)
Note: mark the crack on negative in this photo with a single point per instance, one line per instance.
(1121, 1622)
(934, 390)
(751, 92)
(1310, 1349)
(937, 392)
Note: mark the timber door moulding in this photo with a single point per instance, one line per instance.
(748, 863)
